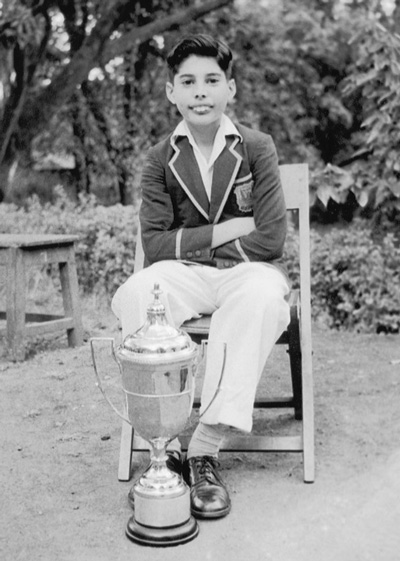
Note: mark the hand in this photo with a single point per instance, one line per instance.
(245, 225)
(231, 230)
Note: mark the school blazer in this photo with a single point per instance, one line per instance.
(177, 218)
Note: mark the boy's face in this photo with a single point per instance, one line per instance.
(201, 92)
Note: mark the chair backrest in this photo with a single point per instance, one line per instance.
(294, 178)
(295, 184)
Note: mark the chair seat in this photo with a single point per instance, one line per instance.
(198, 328)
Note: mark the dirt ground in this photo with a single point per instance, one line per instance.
(61, 499)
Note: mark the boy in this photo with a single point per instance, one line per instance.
(213, 223)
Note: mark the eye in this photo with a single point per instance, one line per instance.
(212, 81)
(187, 82)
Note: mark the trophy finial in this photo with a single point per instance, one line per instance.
(156, 291)
(156, 308)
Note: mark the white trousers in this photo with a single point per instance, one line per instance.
(249, 312)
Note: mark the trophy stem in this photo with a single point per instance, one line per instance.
(158, 478)
(159, 450)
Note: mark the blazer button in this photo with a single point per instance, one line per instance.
(189, 254)
(197, 253)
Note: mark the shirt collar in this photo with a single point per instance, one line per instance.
(226, 127)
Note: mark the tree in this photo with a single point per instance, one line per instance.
(292, 62)
(48, 48)
(377, 75)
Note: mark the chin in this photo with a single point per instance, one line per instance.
(205, 120)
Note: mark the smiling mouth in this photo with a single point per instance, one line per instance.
(200, 109)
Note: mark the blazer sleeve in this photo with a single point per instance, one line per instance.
(266, 242)
(162, 237)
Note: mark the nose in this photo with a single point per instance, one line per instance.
(200, 91)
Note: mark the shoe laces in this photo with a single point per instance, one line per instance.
(205, 466)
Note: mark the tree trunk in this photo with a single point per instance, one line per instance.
(82, 162)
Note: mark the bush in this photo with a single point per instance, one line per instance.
(355, 279)
(105, 251)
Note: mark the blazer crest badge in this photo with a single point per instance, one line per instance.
(244, 196)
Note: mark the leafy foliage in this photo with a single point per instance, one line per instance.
(376, 74)
(18, 25)
(356, 280)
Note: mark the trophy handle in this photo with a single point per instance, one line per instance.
(98, 380)
(204, 343)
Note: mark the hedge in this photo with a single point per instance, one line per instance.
(355, 279)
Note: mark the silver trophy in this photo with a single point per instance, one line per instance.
(158, 365)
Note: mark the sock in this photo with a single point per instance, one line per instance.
(206, 441)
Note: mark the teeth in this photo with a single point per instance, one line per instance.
(201, 109)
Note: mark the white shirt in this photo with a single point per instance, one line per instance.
(206, 168)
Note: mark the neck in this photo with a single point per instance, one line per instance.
(204, 136)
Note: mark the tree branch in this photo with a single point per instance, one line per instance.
(95, 49)
(140, 34)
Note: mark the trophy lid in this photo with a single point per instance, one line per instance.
(157, 337)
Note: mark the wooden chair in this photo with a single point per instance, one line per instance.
(297, 338)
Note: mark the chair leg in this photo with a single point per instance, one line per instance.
(125, 452)
(130, 442)
(295, 358)
(308, 401)
(308, 421)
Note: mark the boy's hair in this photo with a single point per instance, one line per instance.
(200, 45)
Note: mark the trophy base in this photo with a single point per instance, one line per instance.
(162, 537)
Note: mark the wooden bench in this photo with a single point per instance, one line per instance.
(19, 253)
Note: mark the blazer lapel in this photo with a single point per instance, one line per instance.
(184, 167)
(226, 168)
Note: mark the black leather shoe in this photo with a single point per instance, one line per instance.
(174, 463)
(208, 495)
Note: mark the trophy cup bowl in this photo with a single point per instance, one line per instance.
(158, 366)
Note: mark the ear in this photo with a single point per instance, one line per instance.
(232, 88)
(169, 90)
